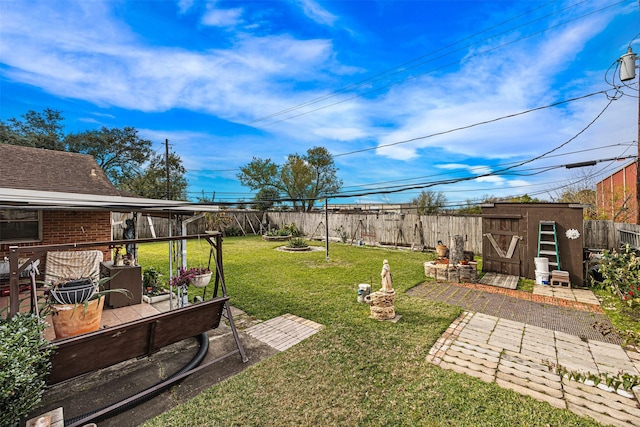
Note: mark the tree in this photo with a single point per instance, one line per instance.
(470, 208)
(152, 181)
(580, 190)
(430, 202)
(525, 198)
(37, 130)
(119, 152)
(266, 198)
(206, 199)
(303, 179)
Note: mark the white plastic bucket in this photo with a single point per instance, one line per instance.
(542, 277)
(542, 264)
(364, 289)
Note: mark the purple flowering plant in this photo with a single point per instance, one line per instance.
(185, 276)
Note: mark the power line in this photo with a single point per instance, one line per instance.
(498, 172)
(555, 104)
(362, 186)
(402, 67)
(397, 189)
(443, 66)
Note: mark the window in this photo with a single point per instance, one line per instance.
(17, 225)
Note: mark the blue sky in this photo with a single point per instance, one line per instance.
(225, 81)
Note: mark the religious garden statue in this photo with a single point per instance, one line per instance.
(381, 302)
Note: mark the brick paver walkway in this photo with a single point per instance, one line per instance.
(514, 338)
(284, 331)
(569, 316)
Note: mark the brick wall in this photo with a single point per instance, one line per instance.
(616, 195)
(72, 227)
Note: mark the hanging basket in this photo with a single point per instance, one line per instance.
(74, 291)
(201, 280)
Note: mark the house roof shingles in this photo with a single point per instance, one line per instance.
(48, 170)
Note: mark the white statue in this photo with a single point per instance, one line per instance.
(387, 284)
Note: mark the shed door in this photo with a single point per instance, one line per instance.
(501, 244)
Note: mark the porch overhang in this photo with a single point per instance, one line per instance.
(12, 198)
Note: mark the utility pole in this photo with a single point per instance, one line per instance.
(628, 72)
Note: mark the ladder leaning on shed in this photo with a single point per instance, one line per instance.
(548, 243)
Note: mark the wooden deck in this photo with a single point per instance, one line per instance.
(126, 332)
(110, 316)
(113, 344)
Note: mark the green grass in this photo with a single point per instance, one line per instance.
(356, 371)
(621, 315)
(526, 285)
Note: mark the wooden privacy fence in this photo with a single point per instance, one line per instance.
(245, 222)
(409, 230)
(404, 230)
(608, 235)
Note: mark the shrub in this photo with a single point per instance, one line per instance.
(297, 243)
(342, 233)
(291, 230)
(233, 231)
(285, 230)
(24, 366)
(621, 273)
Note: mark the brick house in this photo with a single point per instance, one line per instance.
(30, 174)
(52, 197)
(617, 195)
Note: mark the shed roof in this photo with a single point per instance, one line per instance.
(49, 170)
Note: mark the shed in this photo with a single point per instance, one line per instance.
(511, 231)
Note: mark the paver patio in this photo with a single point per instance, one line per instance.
(518, 354)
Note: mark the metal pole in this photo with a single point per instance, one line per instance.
(166, 161)
(326, 225)
(638, 167)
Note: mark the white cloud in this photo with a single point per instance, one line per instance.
(86, 52)
(222, 17)
(450, 166)
(184, 6)
(340, 134)
(104, 63)
(488, 87)
(494, 179)
(316, 12)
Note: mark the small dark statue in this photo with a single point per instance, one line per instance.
(129, 234)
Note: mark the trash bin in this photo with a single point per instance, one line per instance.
(364, 289)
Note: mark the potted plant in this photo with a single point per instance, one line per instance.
(441, 249)
(196, 276)
(76, 305)
(152, 291)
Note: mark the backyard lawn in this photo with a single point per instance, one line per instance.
(356, 371)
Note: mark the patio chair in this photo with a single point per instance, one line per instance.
(72, 265)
